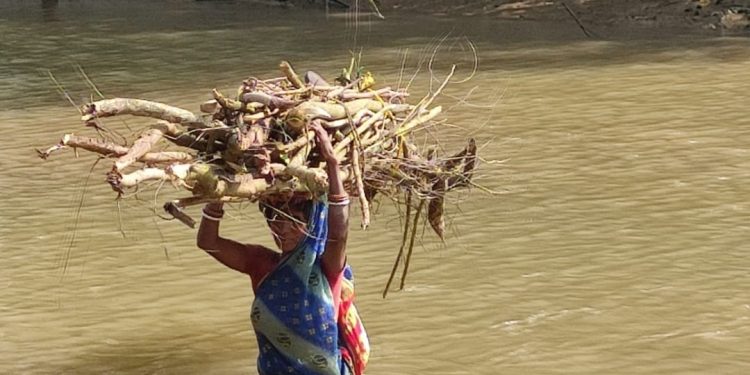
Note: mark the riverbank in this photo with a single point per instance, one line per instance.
(710, 15)
(718, 17)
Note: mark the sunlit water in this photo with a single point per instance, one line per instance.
(619, 244)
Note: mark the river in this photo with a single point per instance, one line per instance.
(618, 242)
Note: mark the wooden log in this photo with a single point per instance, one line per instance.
(302, 114)
(340, 146)
(419, 120)
(235, 105)
(270, 101)
(140, 107)
(213, 182)
(134, 178)
(145, 142)
(110, 149)
(166, 157)
(94, 145)
(291, 75)
(301, 141)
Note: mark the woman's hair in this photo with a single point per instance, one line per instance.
(283, 210)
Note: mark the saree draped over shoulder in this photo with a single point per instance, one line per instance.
(294, 315)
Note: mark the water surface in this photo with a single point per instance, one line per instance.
(619, 244)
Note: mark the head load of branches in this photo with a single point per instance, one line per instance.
(257, 144)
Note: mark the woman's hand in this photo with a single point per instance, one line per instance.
(248, 259)
(324, 143)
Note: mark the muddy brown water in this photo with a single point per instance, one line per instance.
(619, 244)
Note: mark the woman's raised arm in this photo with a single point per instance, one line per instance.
(334, 257)
(235, 255)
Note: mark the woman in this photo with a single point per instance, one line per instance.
(302, 314)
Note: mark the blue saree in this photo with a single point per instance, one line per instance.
(293, 312)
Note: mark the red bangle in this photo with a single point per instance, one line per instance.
(337, 198)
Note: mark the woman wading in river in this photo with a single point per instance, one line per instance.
(303, 314)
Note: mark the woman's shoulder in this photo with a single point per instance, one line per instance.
(260, 262)
(261, 254)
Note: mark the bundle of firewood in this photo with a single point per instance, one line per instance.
(256, 144)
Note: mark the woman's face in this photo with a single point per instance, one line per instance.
(287, 226)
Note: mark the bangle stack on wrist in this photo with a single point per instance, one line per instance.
(338, 199)
(213, 215)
